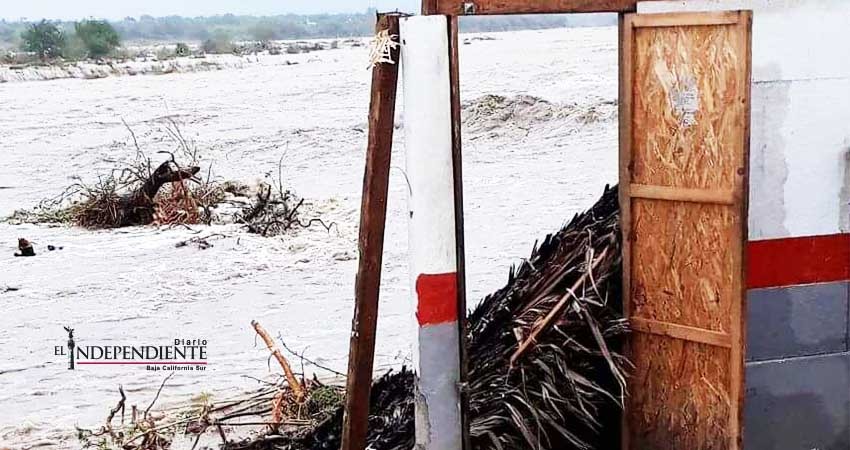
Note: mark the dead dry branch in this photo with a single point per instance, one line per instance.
(284, 364)
(276, 210)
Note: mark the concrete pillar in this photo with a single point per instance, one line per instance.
(433, 264)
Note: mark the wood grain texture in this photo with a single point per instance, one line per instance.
(488, 7)
(688, 106)
(684, 152)
(429, 7)
(626, 65)
(719, 196)
(744, 31)
(717, 339)
(685, 19)
(682, 263)
(460, 253)
(373, 215)
(682, 389)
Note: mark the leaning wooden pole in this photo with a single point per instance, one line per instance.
(373, 214)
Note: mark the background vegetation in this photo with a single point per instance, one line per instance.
(44, 39)
(222, 29)
(89, 39)
(98, 37)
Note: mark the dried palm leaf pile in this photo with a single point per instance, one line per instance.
(545, 368)
(545, 371)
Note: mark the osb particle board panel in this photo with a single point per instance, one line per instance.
(681, 385)
(681, 274)
(688, 83)
(684, 145)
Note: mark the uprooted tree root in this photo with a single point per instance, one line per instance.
(545, 370)
(170, 194)
(138, 194)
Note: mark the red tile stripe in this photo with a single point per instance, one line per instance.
(437, 298)
(798, 260)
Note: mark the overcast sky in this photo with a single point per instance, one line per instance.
(117, 9)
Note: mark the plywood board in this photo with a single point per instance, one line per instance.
(680, 386)
(681, 259)
(684, 150)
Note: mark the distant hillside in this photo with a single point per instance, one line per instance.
(291, 26)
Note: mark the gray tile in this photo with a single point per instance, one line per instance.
(797, 321)
(798, 404)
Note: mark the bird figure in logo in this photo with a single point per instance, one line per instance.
(71, 346)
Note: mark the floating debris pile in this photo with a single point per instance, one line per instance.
(174, 193)
(493, 113)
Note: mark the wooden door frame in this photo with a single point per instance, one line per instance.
(508, 7)
(735, 340)
(500, 7)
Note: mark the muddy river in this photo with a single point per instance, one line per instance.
(531, 160)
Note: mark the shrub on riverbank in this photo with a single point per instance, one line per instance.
(218, 44)
(45, 39)
(98, 36)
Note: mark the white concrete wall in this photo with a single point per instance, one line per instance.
(799, 171)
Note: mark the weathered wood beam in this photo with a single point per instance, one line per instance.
(491, 7)
(457, 175)
(373, 214)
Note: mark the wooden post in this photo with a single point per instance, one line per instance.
(373, 214)
(429, 7)
(457, 163)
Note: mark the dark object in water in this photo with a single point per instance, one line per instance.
(53, 247)
(105, 208)
(138, 207)
(25, 248)
(566, 391)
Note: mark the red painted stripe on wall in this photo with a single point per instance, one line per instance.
(437, 296)
(798, 260)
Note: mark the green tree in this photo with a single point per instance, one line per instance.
(264, 31)
(44, 39)
(98, 36)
